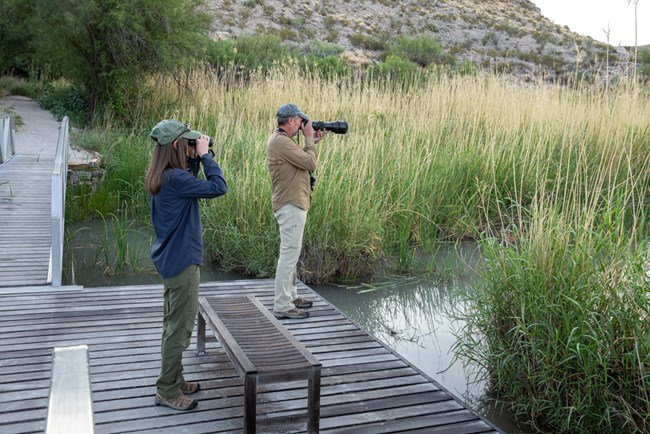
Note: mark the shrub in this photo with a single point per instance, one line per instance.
(330, 21)
(368, 42)
(422, 50)
(394, 68)
(328, 66)
(323, 49)
(285, 33)
(64, 99)
(332, 36)
(221, 53)
(255, 51)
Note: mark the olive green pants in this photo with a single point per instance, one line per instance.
(181, 296)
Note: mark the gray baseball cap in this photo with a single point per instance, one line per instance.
(288, 110)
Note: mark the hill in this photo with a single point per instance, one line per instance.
(508, 35)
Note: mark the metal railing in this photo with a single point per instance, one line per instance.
(8, 139)
(70, 407)
(59, 182)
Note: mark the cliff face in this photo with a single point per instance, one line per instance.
(504, 34)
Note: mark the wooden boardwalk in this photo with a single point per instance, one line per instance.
(25, 220)
(365, 387)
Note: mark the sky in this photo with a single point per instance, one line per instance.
(590, 17)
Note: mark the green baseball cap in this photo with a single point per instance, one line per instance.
(169, 130)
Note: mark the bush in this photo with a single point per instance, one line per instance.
(394, 69)
(423, 50)
(323, 49)
(65, 99)
(367, 42)
(255, 51)
(330, 66)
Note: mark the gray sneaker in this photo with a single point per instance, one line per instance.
(302, 303)
(294, 313)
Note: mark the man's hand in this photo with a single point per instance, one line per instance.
(318, 135)
(308, 131)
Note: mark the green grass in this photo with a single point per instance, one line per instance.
(560, 325)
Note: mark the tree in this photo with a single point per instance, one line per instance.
(15, 37)
(109, 46)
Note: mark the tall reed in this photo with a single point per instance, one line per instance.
(445, 159)
(561, 323)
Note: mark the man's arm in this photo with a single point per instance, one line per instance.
(305, 158)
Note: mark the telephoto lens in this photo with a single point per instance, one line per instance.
(337, 127)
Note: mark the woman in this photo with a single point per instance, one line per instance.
(177, 250)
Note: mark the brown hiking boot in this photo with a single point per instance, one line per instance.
(190, 388)
(181, 402)
(294, 313)
(302, 303)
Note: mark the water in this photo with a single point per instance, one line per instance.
(419, 319)
(113, 253)
(416, 318)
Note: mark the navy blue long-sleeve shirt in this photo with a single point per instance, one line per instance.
(176, 220)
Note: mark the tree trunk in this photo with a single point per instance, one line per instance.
(92, 101)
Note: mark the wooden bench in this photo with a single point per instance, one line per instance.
(261, 349)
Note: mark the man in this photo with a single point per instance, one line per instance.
(290, 166)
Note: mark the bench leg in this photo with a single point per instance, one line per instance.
(313, 401)
(200, 335)
(250, 403)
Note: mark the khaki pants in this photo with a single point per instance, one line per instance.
(291, 220)
(181, 296)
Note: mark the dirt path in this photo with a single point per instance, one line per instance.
(40, 130)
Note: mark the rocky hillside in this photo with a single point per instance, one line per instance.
(502, 34)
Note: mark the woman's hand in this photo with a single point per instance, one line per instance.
(202, 145)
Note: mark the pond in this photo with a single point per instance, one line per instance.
(416, 318)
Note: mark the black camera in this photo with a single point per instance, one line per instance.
(337, 127)
(312, 180)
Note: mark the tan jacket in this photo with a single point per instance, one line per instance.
(289, 166)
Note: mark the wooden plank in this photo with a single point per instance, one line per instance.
(364, 386)
(25, 234)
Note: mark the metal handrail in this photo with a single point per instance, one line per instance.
(8, 139)
(59, 183)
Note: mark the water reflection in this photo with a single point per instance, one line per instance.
(114, 253)
(418, 318)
